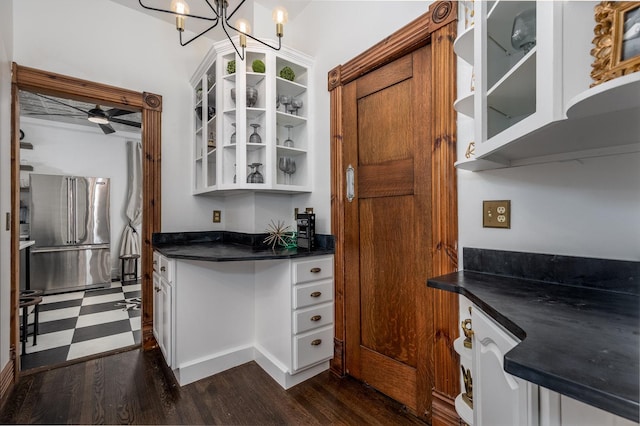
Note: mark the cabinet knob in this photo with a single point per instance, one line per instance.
(316, 294)
(155, 262)
(162, 268)
(157, 289)
(315, 270)
(316, 318)
(316, 342)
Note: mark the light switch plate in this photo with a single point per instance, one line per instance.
(496, 214)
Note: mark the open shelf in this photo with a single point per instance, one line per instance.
(463, 45)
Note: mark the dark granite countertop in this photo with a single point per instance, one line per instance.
(580, 341)
(224, 246)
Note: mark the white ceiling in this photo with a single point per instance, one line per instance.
(200, 8)
(32, 105)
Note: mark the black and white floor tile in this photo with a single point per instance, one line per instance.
(82, 323)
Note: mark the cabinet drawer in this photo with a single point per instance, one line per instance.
(313, 317)
(312, 347)
(312, 270)
(312, 294)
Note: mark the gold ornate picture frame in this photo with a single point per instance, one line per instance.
(616, 42)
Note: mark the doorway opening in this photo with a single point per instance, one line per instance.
(80, 211)
(127, 107)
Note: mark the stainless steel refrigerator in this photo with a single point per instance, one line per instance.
(70, 226)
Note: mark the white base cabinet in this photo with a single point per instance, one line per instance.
(499, 399)
(502, 399)
(223, 314)
(162, 305)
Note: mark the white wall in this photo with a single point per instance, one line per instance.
(136, 52)
(67, 149)
(333, 32)
(6, 56)
(588, 207)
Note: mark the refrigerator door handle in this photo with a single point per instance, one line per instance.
(75, 210)
(69, 248)
(69, 210)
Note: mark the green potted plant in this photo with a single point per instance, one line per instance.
(258, 66)
(287, 73)
(231, 67)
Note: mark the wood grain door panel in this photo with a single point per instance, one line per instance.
(387, 317)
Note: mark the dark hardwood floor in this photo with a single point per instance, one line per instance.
(136, 388)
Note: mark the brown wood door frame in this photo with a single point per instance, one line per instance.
(34, 80)
(436, 27)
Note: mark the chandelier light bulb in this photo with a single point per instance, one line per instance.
(243, 26)
(280, 17)
(181, 8)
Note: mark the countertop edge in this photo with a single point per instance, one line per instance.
(611, 403)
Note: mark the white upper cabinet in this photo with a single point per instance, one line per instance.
(532, 102)
(259, 136)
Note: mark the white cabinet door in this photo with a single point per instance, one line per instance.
(165, 320)
(499, 399)
(157, 307)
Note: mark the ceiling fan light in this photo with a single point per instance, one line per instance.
(96, 115)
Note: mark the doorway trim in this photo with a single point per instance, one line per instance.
(437, 27)
(48, 83)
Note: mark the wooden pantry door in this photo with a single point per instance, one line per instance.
(392, 122)
(388, 307)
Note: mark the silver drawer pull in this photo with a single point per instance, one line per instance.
(316, 294)
(162, 269)
(315, 270)
(316, 342)
(316, 318)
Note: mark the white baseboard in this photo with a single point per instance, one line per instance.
(205, 367)
(199, 369)
(280, 373)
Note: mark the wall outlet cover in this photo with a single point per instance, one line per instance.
(217, 216)
(496, 214)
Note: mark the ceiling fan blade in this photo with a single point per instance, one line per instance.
(107, 129)
(62, 103)
(125, 122)
(115, 112)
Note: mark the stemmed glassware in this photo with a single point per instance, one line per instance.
(285, 100)
(255, 176)
(233, 135)
(255, 137)
(296, 104)
(288, 142)
(288, 166)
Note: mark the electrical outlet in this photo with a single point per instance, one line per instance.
(217, 216)
(496, 214)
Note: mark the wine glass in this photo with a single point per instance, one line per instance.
(523, 34)
(288, 142)
(233, 135)
(285, 100)
(283, 165)
(296, 104)
(255, 176)
(255, 137)
(291, 169)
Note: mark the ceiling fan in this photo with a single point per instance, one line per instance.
(95, 115)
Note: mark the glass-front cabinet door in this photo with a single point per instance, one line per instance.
(204, 141)
(262, 134)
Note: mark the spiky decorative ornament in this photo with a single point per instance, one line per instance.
(280, 234)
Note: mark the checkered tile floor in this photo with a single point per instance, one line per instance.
(82, 323)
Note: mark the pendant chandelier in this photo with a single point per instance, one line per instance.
(219, 15)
